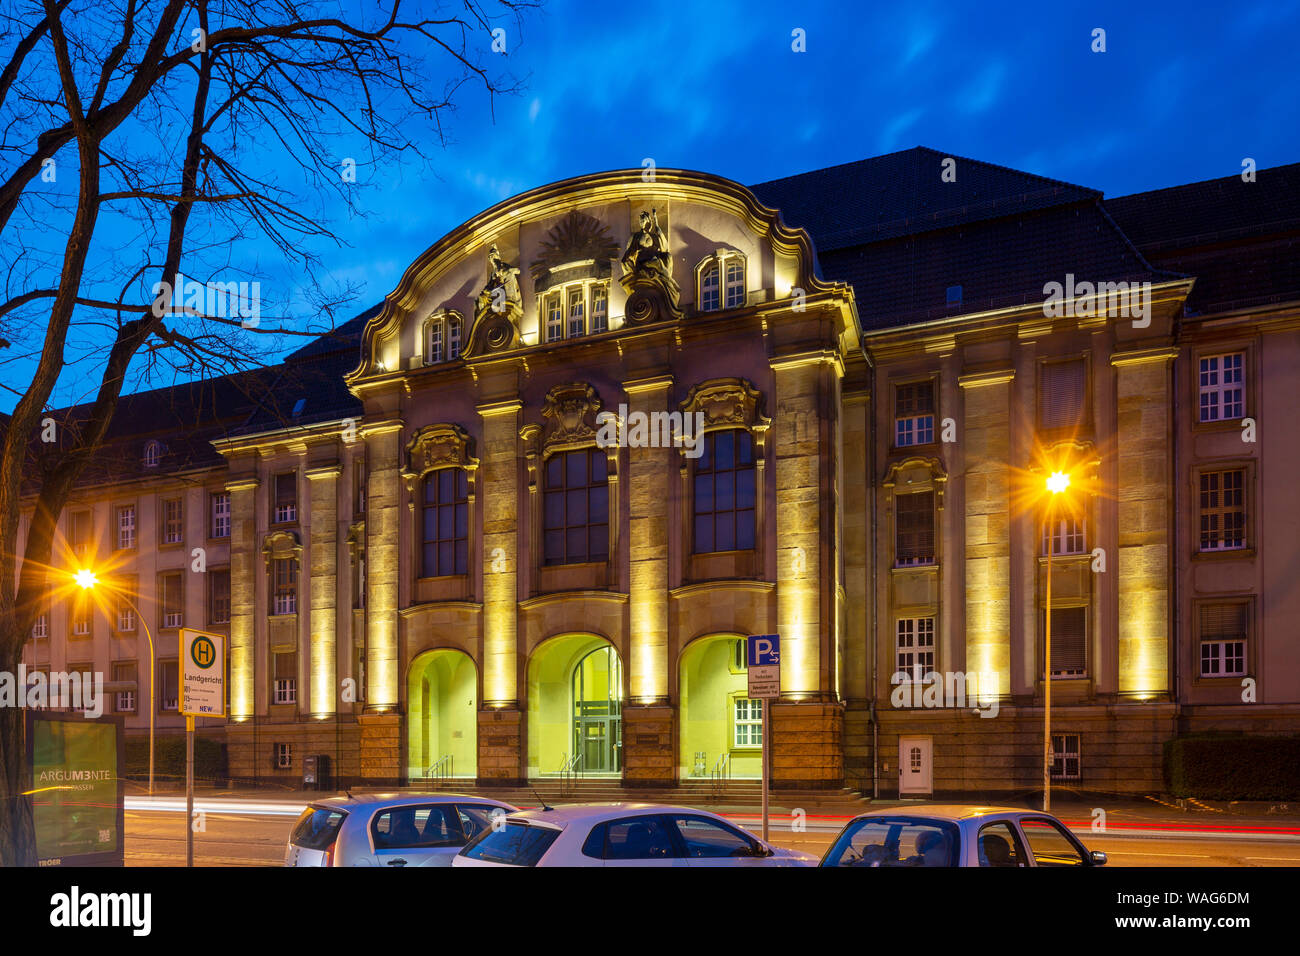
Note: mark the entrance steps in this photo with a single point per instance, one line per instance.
(732, 796)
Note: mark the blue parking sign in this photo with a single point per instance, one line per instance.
(762, 649)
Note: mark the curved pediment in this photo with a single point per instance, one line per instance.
(588, 256)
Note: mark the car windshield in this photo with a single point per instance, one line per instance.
(517, 844)
(316, 828)
(895, 841)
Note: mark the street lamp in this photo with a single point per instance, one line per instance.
(88, 579)
(1057, 483)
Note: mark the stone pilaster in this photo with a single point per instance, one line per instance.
(500, 498)
(245, 557)
(324, 588)
(1145, 485)
(987, 498)
(649, 475)
(383, 668)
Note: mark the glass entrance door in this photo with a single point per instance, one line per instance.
(598, 712)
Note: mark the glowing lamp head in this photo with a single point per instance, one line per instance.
(1057, 482)
(86, 578)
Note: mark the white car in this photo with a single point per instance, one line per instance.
(622, 834)
(389, 829)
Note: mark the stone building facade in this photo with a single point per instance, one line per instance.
(517, 519)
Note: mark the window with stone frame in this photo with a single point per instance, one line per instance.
(284, 585)
(575, 507)
(219, 514)
(219, 596)
(915, 647)
(444, 523)
(284, 501)
(1062, 394)
(725, 492)
(284, 677)
(914, 529)
(1221, 387)
(1222, 509)
(171, 588)
(913, 414)
(173, 521)
(1224, 634)
(1069, 642)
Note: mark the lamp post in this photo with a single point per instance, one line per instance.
(1057, 482)
(88, 579)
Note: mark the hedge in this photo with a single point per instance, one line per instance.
(1233, 767)
(169, 758)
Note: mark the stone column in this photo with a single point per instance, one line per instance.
(381, 722)
(324, 588)
(648, 721)
(1145, 466)
(245, 556)
(987, 499)
(500, 743)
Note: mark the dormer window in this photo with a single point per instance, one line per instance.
(153, 452)
(575, 309)
(442, 335)
(721, 281)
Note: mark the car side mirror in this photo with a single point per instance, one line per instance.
(1098, 858)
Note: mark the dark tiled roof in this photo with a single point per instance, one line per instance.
(347, 337)
(904, 193)
(1241, 240)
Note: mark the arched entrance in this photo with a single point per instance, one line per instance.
(575, 706)
(717, 717)
(442, 714)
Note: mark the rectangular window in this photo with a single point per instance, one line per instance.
(445, 528)
(1223, 639)
(725, 492)
(599, 309)
(1222, 387)
(1061, 392)
(577, 312)
(735, 283)
(1066, 534)
(359, 581)
(1069, 642)
(710, 289)
(126, 620)
(1065, 756)
(41, 627)
(173, 527)
(554, 318)
(283, 756)
(284, 686)
(749, 722)
(171, 586)
(914, 517)
(124, 698)
(285, 590)
(219, 596)
(914, 414)
(433, 343)
(915, 647)
(125, 527)
(80, 611)
(79, 533)
(220, 510)
(453, 338)
(284, 508)
(168, 686)
(576, 507)
(1223, 509)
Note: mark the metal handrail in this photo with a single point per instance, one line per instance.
(720, 775)
(441, 770)
(569, 772)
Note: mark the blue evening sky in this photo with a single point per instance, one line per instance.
(1183, 93)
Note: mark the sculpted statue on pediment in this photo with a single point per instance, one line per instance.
(653, 296)
(499, 307)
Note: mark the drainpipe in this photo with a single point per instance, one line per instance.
(874, 519)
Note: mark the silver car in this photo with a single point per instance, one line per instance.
(389, 829)
(951, 835)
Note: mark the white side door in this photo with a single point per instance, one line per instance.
(915, 766)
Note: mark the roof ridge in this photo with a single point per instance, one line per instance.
(1201, 182)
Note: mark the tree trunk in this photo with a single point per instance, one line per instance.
(17, 833)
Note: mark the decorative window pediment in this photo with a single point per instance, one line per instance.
(569, 415)
(437, 446)
(727, 403)
(281, 544)
(917, 474)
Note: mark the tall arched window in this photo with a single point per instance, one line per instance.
(576, 507)
(721, 281)
(445, 523)
(725, 498)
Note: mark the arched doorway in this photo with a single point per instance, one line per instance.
(575, 706)
(717, 717)
(442, 714)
